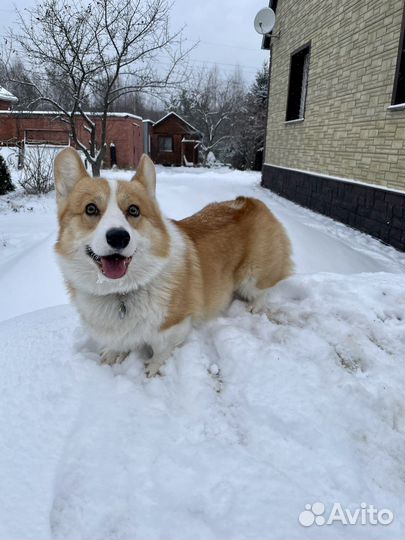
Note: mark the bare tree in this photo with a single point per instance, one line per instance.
(37, 174)
(140, 104)
(210, 102)
(80, 54)
(12, 70)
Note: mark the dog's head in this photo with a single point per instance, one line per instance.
(112, 237)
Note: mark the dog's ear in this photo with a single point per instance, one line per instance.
(68, 168)
(146, 174)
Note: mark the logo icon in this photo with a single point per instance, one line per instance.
(312, 514)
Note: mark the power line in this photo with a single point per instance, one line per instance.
(228, 45)
(252, 68)
(224, 66)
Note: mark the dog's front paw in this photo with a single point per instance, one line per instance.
(152, 369)
(113, 357)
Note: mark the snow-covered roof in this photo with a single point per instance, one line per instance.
(147, 120)
(5, 95)
(122, 114)
(180, 118)
(57, 113)
(190, 140)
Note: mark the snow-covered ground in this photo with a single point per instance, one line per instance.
(253, 419)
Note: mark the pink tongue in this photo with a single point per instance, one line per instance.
(114, 267)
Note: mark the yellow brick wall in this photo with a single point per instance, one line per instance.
(348, 130)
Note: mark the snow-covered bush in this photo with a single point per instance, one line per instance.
(6, 184)
(37, 173)
(211, 159)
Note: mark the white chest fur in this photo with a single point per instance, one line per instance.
(145, 310)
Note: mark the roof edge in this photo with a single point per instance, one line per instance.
(58, 113)
(5, 95)
(180, 118)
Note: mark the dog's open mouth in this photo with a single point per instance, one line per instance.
(113, 266)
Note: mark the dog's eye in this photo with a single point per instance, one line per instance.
(133, 210)
(92, 210)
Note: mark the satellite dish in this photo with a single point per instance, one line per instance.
(265, 21)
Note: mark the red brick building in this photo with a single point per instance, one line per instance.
(124, 133)
(169, 141)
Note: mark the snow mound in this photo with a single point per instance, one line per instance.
(254, 417)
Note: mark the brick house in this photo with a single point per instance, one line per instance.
(169, 141)
(124, 133)
(335, 138)
(173, 141)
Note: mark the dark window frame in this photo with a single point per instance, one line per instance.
(288, 115)
(398, 93)
(160, 145)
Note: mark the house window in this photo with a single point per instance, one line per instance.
(165, 143)
(398, 95)
(297, 88)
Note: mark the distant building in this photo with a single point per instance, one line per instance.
(173, 141)
(6, 99)
(124, 133)
(169, 141)
(335, 137)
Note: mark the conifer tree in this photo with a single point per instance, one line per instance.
(6, 184)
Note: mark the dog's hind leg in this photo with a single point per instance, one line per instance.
(257, 304)
(255, 296)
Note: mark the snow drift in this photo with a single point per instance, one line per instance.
(254, 418)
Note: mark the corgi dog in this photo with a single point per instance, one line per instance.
(139, 279)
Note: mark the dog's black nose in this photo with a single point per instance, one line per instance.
(118, 238)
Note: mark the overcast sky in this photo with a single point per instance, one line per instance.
(224, 28)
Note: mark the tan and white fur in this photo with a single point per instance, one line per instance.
(143, 279)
